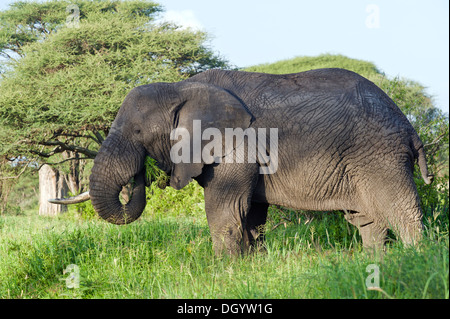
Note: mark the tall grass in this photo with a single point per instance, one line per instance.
(172, 257)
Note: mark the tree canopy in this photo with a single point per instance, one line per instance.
(27, 22)
(69, 70)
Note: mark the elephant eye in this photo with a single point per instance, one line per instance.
(137, 131)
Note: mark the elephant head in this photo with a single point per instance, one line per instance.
(143, 127)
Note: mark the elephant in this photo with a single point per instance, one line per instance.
(341, 144)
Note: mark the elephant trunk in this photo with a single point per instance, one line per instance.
(117, 162)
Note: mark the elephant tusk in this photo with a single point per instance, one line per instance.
(71, 200)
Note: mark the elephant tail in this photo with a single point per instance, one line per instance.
(422, 161)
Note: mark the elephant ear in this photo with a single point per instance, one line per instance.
(203, 106)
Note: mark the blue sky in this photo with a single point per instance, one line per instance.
(403, 38)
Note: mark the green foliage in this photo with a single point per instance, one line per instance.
(26, 22)
(18, 187)
(161, 203)
(65, 91)
(188, 201)
(86, 210)
(305, 63)
(154, 174)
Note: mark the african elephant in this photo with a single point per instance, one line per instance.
(341, 144)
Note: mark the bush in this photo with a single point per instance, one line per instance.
(188, 201)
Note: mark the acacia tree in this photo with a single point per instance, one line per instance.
(68, 71)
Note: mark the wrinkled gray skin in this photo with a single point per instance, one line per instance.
(343, 145)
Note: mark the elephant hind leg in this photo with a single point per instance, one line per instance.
(373, 233)
(396, 202)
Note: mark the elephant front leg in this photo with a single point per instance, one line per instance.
(227, 204)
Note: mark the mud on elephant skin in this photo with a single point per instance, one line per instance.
(341, 144)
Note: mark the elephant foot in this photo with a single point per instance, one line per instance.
(227, 239)
(234, 242)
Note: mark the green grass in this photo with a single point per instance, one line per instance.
(168, 256)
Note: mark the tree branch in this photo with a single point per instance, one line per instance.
(99, 137)
(63, 161)
(6, 55)
(65, 147)
(17, 176)
(436, 140)
(96, 137)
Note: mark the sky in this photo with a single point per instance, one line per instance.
(405, 38)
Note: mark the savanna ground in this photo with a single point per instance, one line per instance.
(168, 253)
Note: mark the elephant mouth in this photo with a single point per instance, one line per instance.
(154, 174)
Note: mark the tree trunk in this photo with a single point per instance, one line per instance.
(51, 185)
(73, 178)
